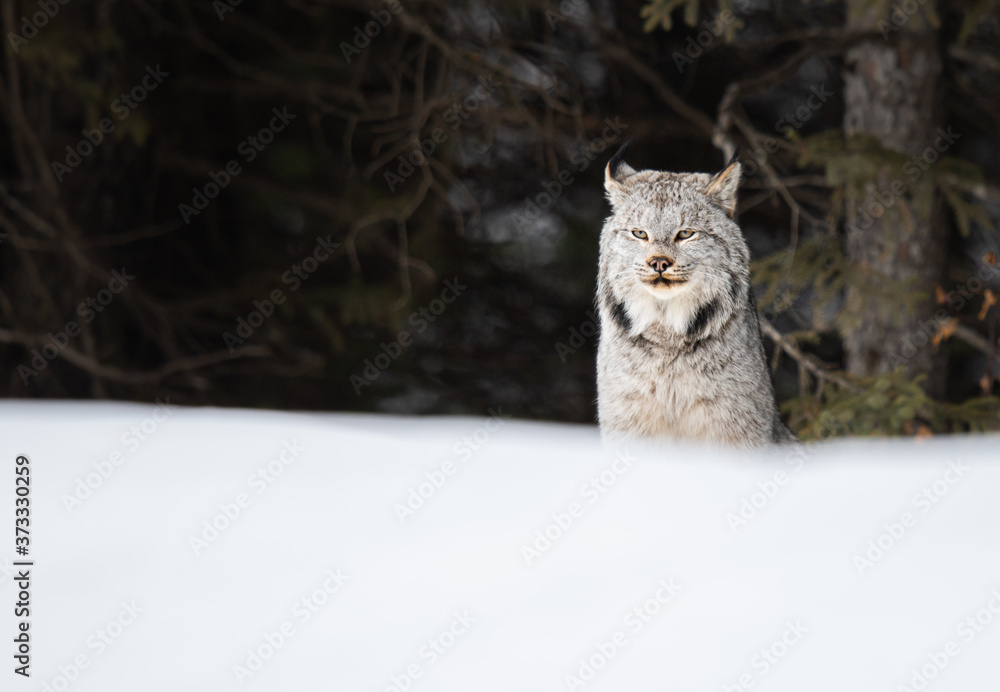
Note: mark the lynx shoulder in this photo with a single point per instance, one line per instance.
(680, 353)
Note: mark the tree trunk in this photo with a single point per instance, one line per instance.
(891, 93)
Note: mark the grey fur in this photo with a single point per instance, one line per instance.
(680, 360)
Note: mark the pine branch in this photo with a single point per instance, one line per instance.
(811, 363)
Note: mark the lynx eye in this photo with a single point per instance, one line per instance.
(641, 235)
(684, 235)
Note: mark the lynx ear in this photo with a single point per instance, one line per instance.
(615, 174)
(722, 187)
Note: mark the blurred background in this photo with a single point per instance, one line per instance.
(395, 206)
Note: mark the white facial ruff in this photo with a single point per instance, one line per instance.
(673, 307)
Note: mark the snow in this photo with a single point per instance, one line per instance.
(450, 597)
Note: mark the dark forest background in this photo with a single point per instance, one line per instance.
(395, 206)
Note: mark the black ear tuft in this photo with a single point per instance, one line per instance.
(618, 158)
(736, 156)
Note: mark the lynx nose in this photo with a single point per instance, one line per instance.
(660, 264)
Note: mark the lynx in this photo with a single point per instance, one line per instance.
(680, 353)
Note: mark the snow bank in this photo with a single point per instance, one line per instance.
(203, 549)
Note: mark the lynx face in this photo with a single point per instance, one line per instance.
(671, 248)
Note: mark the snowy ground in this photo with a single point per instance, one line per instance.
(672, 570)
